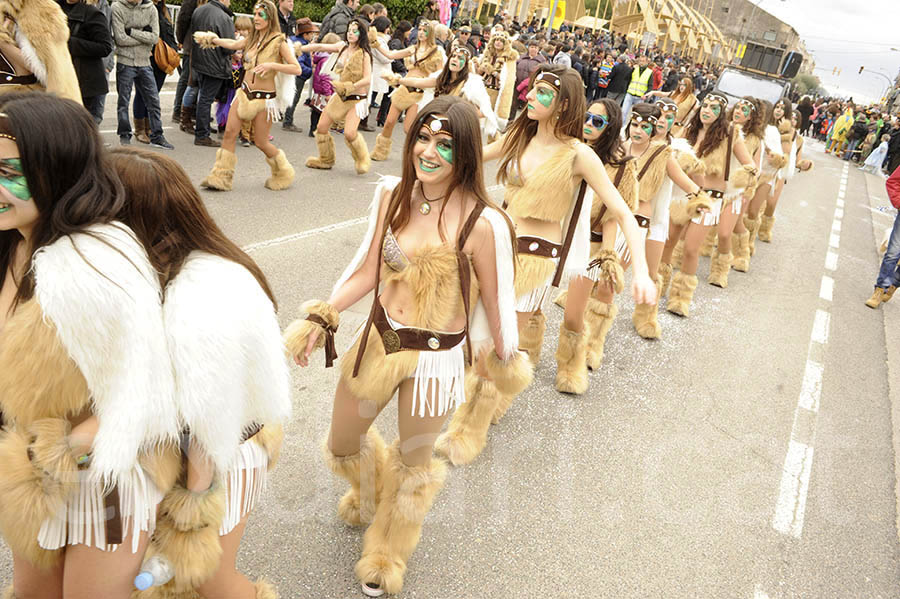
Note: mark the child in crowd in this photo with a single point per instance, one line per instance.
(876, 158)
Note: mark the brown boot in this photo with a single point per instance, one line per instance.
(360, 153)
(363, 470)
(888, 294)
(682, 294)
(382, 148)
(325, 159)
(709, 243)
(467, 432)
(598, 317)
(665, 277)
(187, 119)
(571, 365)
(142, 130)
(282, 172)
(221, 177)
(877, 298)
(742, 254)
(765, 228)
(718, 270)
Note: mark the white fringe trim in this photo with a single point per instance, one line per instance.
(246, 483)
(82, 520)
(711, 218)
(737, 204)
(535, 299)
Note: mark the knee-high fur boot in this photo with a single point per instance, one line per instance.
(752, 225)
(709, 243)
(571, 365)
(560, 299)
(665, 277)
(718, 269)
(382, 148)
(325, 159)
(408, 494)
(282, 172)
(678, 254)
(599, 318)
(765, 228)
(221, 177)
(682, 294)
(742, 254)
(645, 316)
(360, 152)
(531, 338)
(264, 590)
(467, 432)
(363, 470)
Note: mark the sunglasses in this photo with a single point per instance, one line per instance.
(597, 121)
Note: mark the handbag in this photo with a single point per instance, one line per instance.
(165, 57)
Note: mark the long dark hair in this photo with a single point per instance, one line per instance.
(363, 41)
(609, 146)
(467, 161)
(65, 168)
(786, 105)
(718, 131)
(756, 124)
(403, 27)
(570, 109)
(168, 216)
(447, 81)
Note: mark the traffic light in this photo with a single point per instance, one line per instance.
(861, 70)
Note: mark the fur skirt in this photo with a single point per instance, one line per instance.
(534, 278)
(337, 109)
(711, 218)
(403, 98)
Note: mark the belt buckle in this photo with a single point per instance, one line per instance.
(391, 341)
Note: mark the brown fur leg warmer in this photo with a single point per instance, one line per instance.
(752, 225)
(765, 228)
(360, 152)
(682, 294)
(665, 277)
(560, 299)
(571, 365)
(466, 434)
(678, 254)
(325, 159)
(382, 148)
(510, 377)
(531, 337)
(409, 492)
(264, 590)
(599, 318)
(645, 317)
(363, 470)
(709, 243)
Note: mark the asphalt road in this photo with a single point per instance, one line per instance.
(746, 454)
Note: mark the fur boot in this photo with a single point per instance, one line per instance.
(409, 492)
(719, 268)
(752, 225)
(264, 590)
(282, 172)
(765, 228)
(142, 130)
(678, 254)
(531, 338)
(187, 533)
(325, 159)
(221, 177)
(709, 243)
(665, 277)
(504, 401)
(645, 316)
(682, 293)
(560, 299)
(9, 592)
(363, 470)
(467, 432)
(599, 318)
(571, 365)
(382, 148)
(360, 153)
(742, 254)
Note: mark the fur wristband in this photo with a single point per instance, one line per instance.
(512, 376)
(697, 202)
(393, 79)
(610, 269)
(744, 177)
(51, 453)
(205, 39)
(296, 336)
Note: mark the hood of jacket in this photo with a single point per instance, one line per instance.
(133, 5)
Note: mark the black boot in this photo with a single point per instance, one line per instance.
(314, 116)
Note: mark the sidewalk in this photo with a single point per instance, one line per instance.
(882, 218)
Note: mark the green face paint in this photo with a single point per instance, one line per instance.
(12, 179)
(647, 128)
(545, 97)
(262, 15)
(716, 110)
(445, 149)
(670, 120)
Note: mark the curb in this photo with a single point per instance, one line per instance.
(878, 201)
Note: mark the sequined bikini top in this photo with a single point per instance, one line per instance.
(392, 253)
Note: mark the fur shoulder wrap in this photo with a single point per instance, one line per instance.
(656, 171)
(686, 157)
(547, 192)
(93, 336)
(628, 188)
(41, 33)
(475, 92)
(228, 356)
(354, 69)
(714, 162)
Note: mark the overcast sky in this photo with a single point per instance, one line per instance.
(848, 35)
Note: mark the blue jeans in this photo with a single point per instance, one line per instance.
(289, 113)
(208, 90)
(95, 105)
(626, 107)
(141, 78)
(183, 79)
(139, 108)
(853, 145)
(888, 275)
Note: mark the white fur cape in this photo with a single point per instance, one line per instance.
(104, 298)
(507, 78)
(479, 329)
(227, 353)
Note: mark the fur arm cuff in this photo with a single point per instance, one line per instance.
(689, 163)
(512, 376)
(393, 79)
(744, 177)
(322, 317)
(610, 269)
(205, 39)
(697, 203)
(51, 454)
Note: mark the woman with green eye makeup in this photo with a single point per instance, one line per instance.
(773, 160)
(728, 170)
(439, 257)
(88, 392)
(781, 118)
(750, 115)
(498, 67)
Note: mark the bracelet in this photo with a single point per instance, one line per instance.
(330, 350)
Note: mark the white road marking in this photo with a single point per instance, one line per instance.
(758, 593)
(834, 241)
(839, 213)
(840, 203)
(804, 203)
(811, 390)
(791, 506)
(820, 327)
(831, 260)
(826, 291)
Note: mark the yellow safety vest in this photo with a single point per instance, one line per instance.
(640, 81)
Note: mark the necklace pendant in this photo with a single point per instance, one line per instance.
(425, 208)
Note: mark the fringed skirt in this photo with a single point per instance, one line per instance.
(534, 279)
(246, 483)
(83, 519)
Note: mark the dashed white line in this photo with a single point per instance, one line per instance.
(791, 507)
(826, 291)
(820, 326)
(831, 260)
(811, 390)
(839, 213)
(834, 241)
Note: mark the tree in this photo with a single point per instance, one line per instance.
(806, 84)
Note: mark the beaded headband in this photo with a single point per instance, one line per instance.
(438, 124)
(3, 115)
(667, 105)
(747, 103)
(462, 50)
(548, 78)
(636, 118)
(717, 98)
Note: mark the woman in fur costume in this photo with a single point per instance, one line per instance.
(350, 102)
(728, 170)
(456, 79)
(266, 54)
(233, 407)
(498, 67)
(87, 388)
(423, 59)
(773, 160)
(748, 114)
(435, 228)
(543, 164)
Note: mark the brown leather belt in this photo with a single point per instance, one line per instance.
(715, 193)
(8, 79)
(354, 97)
(257, 95)
(412, 90)
(535, 246)
(406, 338)
(642, 221)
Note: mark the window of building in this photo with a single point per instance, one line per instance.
(770, 36)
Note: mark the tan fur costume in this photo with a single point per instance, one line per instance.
(501, 67)
(353, 71)
(532, 199)
(39, 29)
(466, 434)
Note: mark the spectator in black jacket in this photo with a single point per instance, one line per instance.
(338, 18)
(619, 77)
(286, 17)
(183, 37)
(398, 41)
(212, 67)
(90, 41)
